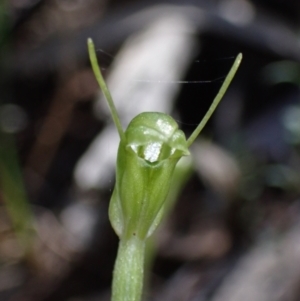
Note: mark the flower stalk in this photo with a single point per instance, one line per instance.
(128, 273)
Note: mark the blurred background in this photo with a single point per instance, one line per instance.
(232, 228)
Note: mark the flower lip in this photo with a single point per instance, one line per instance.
(153, 151)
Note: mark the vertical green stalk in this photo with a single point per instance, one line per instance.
(129, 270)
(14, 194)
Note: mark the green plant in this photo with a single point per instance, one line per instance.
(14, 195)
(148, 152)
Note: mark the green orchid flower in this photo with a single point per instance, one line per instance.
(148, 152)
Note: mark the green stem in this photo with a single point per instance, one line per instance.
(216, 101)
(129, 271)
